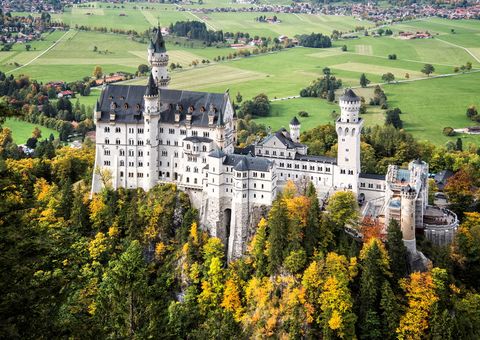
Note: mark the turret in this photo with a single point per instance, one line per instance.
(151, 97)
(295, 130)
(349, 127)
(158, 59)
(407, 221)
(220, 131)
(350, 107)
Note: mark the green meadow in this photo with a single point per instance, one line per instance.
(429, 104)
(21, 130)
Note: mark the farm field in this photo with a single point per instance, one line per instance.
(280, 74)
(22, 130)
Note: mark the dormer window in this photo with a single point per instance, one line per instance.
(137, 107)
(125, 106)
(202, 109)
(191, 108)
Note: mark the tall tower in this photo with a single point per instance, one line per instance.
(407, 220)
(158, 59)
(295, 130)
(151, 100)
(349, 127)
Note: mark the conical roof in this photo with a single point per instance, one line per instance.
(151, 46)
(152, 89)
(294, 121)
(350, 96)
(159, 43)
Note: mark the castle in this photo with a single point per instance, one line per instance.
(150, 134)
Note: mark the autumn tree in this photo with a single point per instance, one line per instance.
(278, 223)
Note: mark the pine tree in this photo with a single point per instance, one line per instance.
(331, 93)
(363, 80)
(390, 311)
(397, 251)
(258, 249)
(312, 228)
(278, 222)
(459, 145)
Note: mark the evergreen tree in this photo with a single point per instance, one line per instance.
(312, 228)
(397, 252)
(278, 224)
(363, 80)
(122, 294)
(459, 145)
(331, 93)
(390, 311)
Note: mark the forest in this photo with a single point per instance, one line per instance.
(135, 264)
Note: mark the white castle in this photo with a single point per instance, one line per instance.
(146, 135)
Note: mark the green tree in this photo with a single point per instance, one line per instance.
(390, 311)
(364, 81)
(428, 69)
(388, 77)
(97, 72)
(278, 223)
(342, 209)
(397, 252)
(393, 118)
(122, 294)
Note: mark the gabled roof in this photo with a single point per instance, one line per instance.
(284, 137)
(241, 166)
(372, 176)
(350, 96)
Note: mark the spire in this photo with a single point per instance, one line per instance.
(294, 121)
(350, 96)
(152, 89)
(159, 43)
(150, 46)
(220, 119)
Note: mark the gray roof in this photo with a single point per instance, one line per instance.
(244, 163)
(312, 158)
(159, 43)
(196, 139)
(217, 153)
(171, 101)
(152, 88)
(372, 176)
(294, 121)
(284, 138)
(350, 96)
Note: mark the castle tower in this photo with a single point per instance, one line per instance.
(158, 59)
(295, 130)
(220, 131)
(349, 127)
(151, 100)
(407, 219)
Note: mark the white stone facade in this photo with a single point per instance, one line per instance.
(147, 135)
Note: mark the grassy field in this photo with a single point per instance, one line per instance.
(279, 74)
(22, 130)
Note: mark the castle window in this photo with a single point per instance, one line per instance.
(161, 130)
(262, 175)
(140, 153)
(195, 181)
(254, 195)
(304, 167)
(171, 131)
(195, 133)
(106, 129)
(130, 153)
(175, 154)
(259, 151)
(117, 141)
(262, 186)
(188, 146)
(106, 163)
(106, 152)
(131, 163)
(254, 174)
(107, 141)
(282, 165)
(140, 130)
(183, 132)
(350, 172)
(164, 153)
(122, 163)
(131, 142)
(379, 186)
(188, 180)
(131, 130)
(117, 129)
(140, 142)
(370, 185)
(297, 166)
(122, 152)
(362, 185)
(121, 173)
(267, 152)
(188, 169)
(342, 171)
(140, 164)
(274, 153)
(140, 174)
(254, 185)
(327, 169)
(168, 142)
(206, 134)
(204, 148)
